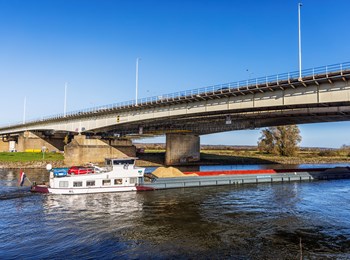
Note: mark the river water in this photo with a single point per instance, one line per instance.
(260, 221)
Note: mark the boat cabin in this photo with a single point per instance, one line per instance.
(125, 163)
(120, 174)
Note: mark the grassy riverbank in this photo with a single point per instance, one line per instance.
(255, 157)
(156, 157)
(26, 157)
(30, 160)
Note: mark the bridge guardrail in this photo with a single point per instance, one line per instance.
(314, 72)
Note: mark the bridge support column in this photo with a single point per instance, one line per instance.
(182, 149)
(82, 150)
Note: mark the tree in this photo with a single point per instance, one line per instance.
(267, 141)
(345, 150)
(281, 140)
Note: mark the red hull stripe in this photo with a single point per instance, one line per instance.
(39, 189)
(143, 188)
(210, 173)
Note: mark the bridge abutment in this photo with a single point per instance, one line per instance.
(4, 146)
(182, 148)
(82, 150)
(29, 141)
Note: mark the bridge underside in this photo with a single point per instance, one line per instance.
(216, 122)
(312, 99)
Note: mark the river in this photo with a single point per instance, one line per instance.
(260, 221)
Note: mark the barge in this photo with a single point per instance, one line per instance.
(122, 175)
(239, 177)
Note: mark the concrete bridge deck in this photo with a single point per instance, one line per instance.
(321, 95)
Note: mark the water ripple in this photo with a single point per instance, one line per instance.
(264, 221)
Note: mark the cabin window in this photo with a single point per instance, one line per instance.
(121, 162)
(106, 182)
(108, 162)
(63, 184)
(90, 183)
(118, 181)
(77, 184)
(133, 180)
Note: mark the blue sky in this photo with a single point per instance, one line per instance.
(93, 46)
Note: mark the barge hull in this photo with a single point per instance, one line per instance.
(237, 179)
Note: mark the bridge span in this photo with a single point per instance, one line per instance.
(321, 95)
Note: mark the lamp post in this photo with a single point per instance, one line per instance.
(299, 34)
(137, 79)
(24, 109)
(249, 76)
(65, 100)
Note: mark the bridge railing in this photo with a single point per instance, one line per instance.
(314, 72)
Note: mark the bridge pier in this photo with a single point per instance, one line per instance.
(82, 150)
(182, 148)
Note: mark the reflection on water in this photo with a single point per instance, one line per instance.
(264, 221)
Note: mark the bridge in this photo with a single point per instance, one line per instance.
(322, 94)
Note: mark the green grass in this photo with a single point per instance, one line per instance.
(28, 157)
(154, 151)
(251, 155)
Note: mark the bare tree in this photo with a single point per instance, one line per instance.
(281, 140)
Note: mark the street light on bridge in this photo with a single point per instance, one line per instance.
(299, 34)
(65, 100)
(24, 109)
(137, 79)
